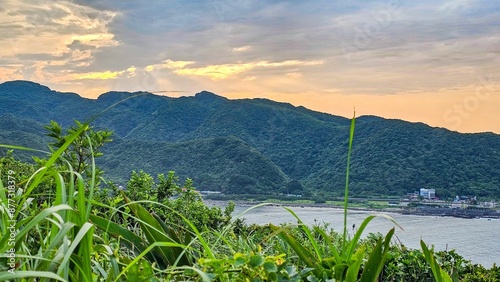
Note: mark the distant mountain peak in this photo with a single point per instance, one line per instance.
(115, 96)
(206, 95)
(25, 84)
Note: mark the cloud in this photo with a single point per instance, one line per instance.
(98, 75)
(105, 75)
(52, 25)
(169, 64)
(42, 33)
(269, 48)
(241, 49)
(217, 72)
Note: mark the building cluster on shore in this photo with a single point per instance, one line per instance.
(425, 202)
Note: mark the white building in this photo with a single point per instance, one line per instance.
(428, 193)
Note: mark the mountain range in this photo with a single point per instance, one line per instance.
(258, 146)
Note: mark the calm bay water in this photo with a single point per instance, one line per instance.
(477, 240)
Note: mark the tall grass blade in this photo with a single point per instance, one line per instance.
(304, 254)
(91, 188)
(353, 243)
(439, 274)
(308, 233)
(131, 240)
(332, 247)
(377, 258)
(84, 230)
(6, 276)
(346, 191)
(57, 241)
(227, 228)
(22, 148)
(146, 251)
(32, 223)
(204, 277)
(154, 232)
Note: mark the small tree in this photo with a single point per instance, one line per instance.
(78, 154)
(167, 186)
(81, 151)
(140, 186)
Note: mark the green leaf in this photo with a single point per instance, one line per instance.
(270, 266)
(256, 260)
(204, 277)
(239, 261)
(272, 276)
(354, 242)
(303, 253)
(333, 248)
(353, 269)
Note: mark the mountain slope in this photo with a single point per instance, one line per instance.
(259, 144)
(390, 156)
(22, 132)
(219, 164)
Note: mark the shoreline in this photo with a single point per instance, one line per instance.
(443, 212)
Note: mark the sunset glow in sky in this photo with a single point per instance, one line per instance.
(437, 62)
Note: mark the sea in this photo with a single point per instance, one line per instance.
(477, 240)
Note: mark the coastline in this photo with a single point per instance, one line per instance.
(429, 211)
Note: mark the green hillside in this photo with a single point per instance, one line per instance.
(257, 145)
(220, 164)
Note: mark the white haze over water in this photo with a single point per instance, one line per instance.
(477, 240)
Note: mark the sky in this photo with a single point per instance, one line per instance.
(436, 62)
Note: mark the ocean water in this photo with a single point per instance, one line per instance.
(477, 240)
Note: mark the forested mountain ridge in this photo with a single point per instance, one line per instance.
(258, 145)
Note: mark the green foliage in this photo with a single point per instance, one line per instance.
(21, 169)
(140, 186)
(167, 186)
(64, 235)
(156, 231)
(480, 273)
(84, 148)
(183, 199)
(245, 266)
(218, 164)
(406, 265)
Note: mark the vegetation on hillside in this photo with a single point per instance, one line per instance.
(58, 222)
(225, 144)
